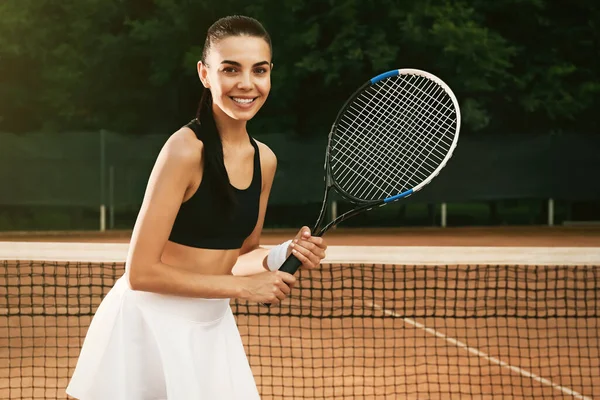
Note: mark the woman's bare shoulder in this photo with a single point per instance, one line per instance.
(183, 147)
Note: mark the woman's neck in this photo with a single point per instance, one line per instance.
(231, 131)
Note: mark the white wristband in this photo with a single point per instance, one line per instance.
(277, 255)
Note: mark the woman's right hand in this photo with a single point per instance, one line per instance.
(269, 287)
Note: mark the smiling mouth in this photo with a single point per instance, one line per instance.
(240, 100)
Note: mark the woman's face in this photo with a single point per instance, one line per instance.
(238, 73)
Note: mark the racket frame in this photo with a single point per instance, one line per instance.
(365, 205)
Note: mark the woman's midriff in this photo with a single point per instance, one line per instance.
(203, 261)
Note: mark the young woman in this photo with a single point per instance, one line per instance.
(165, 330)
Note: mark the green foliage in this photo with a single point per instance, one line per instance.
(130, 65)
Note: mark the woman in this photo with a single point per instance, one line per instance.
(165, 330)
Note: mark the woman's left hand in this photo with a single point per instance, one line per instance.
(310, 250)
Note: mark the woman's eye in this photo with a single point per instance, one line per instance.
(229, 70)
(260, 70)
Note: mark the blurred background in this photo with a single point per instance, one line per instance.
(91, 89)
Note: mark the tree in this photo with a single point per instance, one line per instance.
(515, 65)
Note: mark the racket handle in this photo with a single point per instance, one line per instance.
(290, 265)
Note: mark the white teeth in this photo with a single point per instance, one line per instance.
(242, 101)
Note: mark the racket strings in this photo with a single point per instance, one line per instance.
(355, 144)
(379, 161)
(378, 164)
(440, 121)
(432, 88)
(370, 117)
(416, 115)
(396, 177)
(351, 165)
(422, 143)
(404, 133)
(349, 169)
(393, 136)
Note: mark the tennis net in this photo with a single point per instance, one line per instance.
(388, 329)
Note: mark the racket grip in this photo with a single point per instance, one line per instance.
(290, 265)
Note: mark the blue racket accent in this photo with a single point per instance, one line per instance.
(394, 72)
(398, 196)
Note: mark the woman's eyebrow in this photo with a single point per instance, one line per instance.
(237, 64)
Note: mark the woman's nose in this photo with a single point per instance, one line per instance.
(245, 81)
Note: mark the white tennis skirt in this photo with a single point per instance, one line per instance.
(147, 346)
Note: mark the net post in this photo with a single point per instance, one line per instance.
(444, 214)
(550, 212)
(102, 180)
(102, 218)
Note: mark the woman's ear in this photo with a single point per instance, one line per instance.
(203, 74)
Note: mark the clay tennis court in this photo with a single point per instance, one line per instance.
(367, 331)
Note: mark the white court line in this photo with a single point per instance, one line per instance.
(483, 355)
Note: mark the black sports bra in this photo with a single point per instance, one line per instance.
(201, 223)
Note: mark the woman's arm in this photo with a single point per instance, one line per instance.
(253, 258)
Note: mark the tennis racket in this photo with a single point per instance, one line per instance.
(389, 140)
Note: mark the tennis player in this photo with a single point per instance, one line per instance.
(165, 330)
